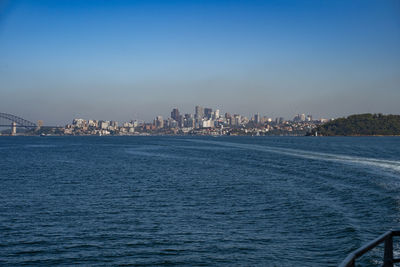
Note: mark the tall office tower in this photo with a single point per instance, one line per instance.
(216, 114)
(190, 122)
(236, 120)
(199, 112)
(257, 118)
(159, 122)
(303, 117)
(180, 121)
(208, 113)
(309, 118)
(175, 114)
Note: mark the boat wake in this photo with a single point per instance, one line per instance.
(392, 165)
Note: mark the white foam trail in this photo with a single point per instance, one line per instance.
(382, 163)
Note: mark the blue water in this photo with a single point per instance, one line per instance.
(258, 201)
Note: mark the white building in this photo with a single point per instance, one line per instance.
(104, 124)
(127, 124)
(92, 123)
(207, 123)
(79, 123)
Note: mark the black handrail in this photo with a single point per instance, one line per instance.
(388, 259)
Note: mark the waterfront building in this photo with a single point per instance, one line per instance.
(207, 123)
(186, 130)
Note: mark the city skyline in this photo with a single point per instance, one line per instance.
(208, 113)
(204, 121)
(213, 113)
(126, 60)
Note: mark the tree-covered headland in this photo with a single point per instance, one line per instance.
(361, 124)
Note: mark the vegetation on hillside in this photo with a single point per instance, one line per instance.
(361, 124)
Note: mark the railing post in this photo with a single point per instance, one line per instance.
(388, 256)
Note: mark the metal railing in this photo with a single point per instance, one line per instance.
(388, 260)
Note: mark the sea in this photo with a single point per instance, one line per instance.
(196, 201)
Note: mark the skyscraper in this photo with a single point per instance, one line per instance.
(189, 120)
(236, 120)
(175, 114)
(207, 113)
(199, 112)
(159, 122)
(216, 114)
(257, 118)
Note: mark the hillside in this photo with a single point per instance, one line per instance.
(361, 124)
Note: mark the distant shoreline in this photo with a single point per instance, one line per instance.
(216, 136)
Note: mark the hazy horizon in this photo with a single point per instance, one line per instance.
(123, 60)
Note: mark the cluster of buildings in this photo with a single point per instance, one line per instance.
(99, 127)
(204, 121)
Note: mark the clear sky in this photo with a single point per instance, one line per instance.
(127, 60)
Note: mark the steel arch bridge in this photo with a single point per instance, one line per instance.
(5, 117)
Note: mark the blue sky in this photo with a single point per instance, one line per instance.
(127, 60)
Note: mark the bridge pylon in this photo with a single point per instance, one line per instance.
(13, 128)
